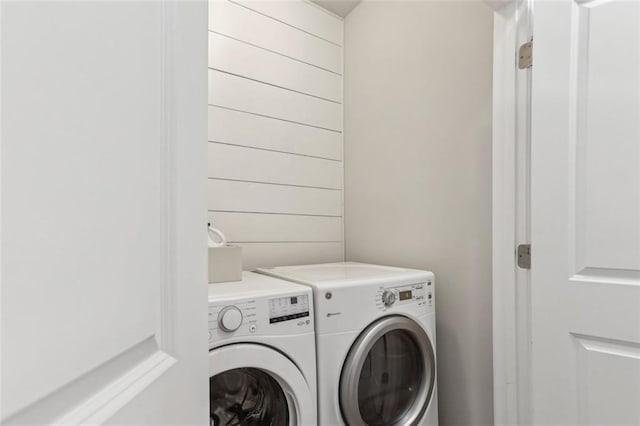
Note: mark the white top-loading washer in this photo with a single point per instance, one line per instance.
(375, 342)
(262, 367)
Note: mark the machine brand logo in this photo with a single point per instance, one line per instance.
(332, 314)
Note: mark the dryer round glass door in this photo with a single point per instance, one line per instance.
(389, 374)
(255, 385)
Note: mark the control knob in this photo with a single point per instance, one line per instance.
(230, 318)
(388, 298)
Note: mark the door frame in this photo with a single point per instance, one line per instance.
(511, 214)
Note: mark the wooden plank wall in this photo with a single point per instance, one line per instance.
(275, 130)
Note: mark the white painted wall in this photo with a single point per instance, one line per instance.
(418, 172)
(275, 130)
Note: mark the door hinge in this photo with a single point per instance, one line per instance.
(524, 256)
(525, 55)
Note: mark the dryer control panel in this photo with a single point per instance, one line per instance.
(420, 294)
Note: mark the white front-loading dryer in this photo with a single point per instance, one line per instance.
(262, 368)
(375, 343)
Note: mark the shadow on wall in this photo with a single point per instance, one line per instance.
(451, 358)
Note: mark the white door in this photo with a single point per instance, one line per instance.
(104, 299)
(585, 229)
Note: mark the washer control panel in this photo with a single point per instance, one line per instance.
(288, 308)
(281, 315)
(420, 294)
(230, 318)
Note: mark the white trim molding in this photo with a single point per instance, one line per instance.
(110, 399)
(511, 135)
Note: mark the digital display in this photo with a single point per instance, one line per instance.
(404, 295)
(288, 317)
(288, 308)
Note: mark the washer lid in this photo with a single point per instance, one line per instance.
(343, 272)
(272, 385)
(252, 286)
